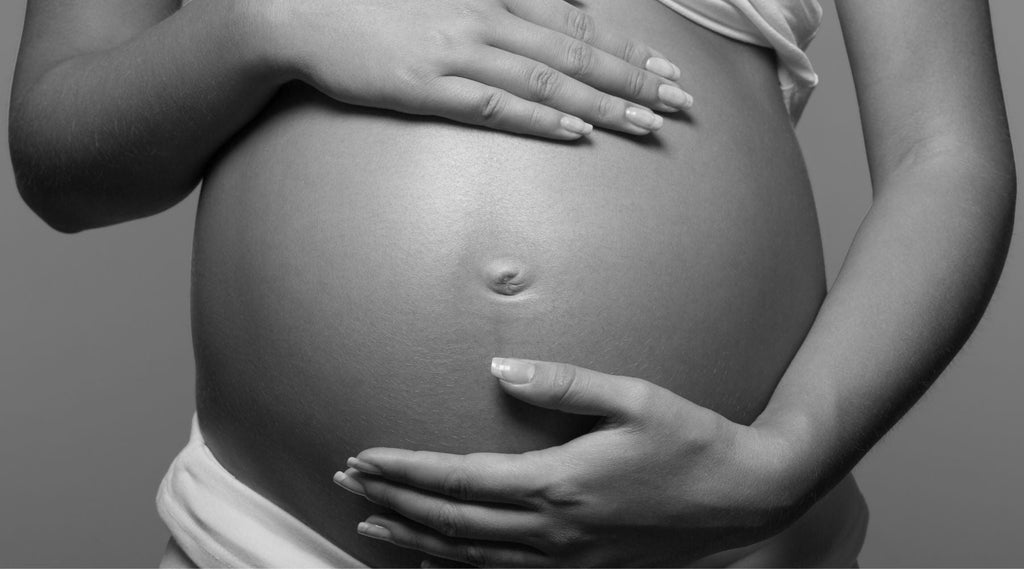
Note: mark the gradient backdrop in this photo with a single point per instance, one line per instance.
(96, 369)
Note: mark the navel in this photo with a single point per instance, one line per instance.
(507, 277)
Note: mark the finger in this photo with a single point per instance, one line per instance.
(573, 389)
(478, 477)
(590, 65)
(538, 82)
(467, 101)
(408, 534)
(577, 24)
(444, 515)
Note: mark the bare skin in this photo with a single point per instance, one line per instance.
(144, 146)
(914, 284)
(352, 271)
(961, 168)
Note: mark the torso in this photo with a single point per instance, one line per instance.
(343, 281)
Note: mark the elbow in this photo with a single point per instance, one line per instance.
(993, 188)
(72, 204)
(68, 213)
(987, 174)
(997, 167)
(62, 224)
(57, 212)
(72, 195)
(54, 218)
(64, 198)
(1011, 180)
(1000, 173)
(43, 199)
(36, 182)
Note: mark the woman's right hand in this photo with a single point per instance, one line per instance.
(538, 67)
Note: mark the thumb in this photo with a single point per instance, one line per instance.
(571, 389)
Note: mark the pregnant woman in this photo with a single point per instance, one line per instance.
(357, 267)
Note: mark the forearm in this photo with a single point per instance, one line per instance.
(914, 284)
(118, 134)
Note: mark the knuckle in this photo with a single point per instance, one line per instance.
(543, 82)
(580, 25)
(563, 379)
(414, 75)
(469, 25)
(471, 11)
(411, 88)
(381, 497)
(606, 109)
(710, 431)
(635, 84)
(473, 18)
(560, 493)
(563, 541)
(446, 40)
(456, 485)
(474, 555)
(636, 397)
(579, 59)
(537, 119)
(416, 82)
(409, 540)
(447, 520)
(633, 52)
(492, 106)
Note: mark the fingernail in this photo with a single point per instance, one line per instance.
(674, 96)
(349, 483)
(643, 118)
(363, 466)
(512, 371)
(576, 125)
(663, 67)
(373, 530)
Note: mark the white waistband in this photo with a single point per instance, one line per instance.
(220, 522)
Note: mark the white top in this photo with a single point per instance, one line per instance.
(787, 26)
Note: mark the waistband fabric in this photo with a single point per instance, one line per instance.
(220, 522)
(786, 26)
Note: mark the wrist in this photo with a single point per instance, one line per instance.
(795, 463)
(750, 480)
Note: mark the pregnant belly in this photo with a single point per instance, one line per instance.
(356, 270)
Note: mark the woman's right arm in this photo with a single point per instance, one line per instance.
(118, 105)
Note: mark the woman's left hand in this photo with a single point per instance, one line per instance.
(659, 481)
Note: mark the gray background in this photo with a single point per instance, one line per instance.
(96, 369)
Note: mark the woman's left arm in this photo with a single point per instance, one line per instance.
(914, 284)
(927, 257)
